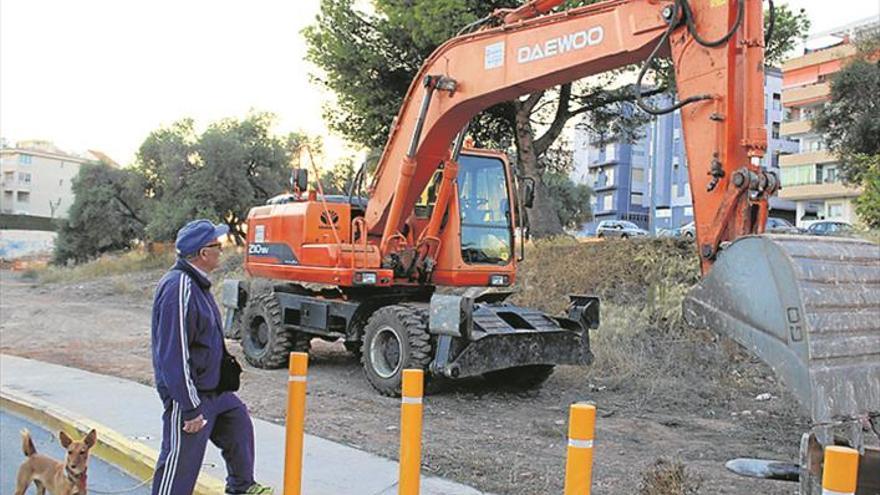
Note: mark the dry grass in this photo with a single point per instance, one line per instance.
(106, 266)
(642, 345)
(121, 264)
(669, 478)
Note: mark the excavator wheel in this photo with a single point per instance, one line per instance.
(265, 341)
(395, 338)
(522, 377)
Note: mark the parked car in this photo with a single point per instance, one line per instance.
(619, 228)
(830, 228)
(687, 231)
(780, 226)
(774, 226)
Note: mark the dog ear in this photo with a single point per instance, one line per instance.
(65, 440)
(91, 438)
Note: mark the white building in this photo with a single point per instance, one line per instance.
(36, 178)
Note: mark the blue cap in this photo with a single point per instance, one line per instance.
(196, 235)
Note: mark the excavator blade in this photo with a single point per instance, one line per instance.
(808, 307)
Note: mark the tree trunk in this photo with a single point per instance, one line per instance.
(543, 220)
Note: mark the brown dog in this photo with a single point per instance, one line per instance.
(68, 478)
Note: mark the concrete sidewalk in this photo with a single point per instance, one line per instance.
(134, 411)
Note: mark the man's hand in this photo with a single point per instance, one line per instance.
(195, 424)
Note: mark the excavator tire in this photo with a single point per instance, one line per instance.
(521, 378)
(395, 338)
(266, 342)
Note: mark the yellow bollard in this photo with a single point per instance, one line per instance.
(411, 431)
(579, 462)
(841, 471)
(296, 415)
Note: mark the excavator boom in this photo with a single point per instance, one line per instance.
(809, 308)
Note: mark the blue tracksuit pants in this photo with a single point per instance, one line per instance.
(229, 427)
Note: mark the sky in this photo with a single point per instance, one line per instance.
(102, 74)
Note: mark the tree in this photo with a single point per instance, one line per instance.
(338, 180)
(369, 60)
(106, 215)
(868, 203)
(232, 166)
(788, 27)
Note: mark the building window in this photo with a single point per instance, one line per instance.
(609, 177)
(834, 210)
(827, 174)
(7, 201)
(24, 178)
(24, 159)
(777, 101)
(774, 160)
(798, 176)
(23, 197)
(636, 198)
(638, 175)
(8, 178)
(775, 133)
(60, 182)
(607, 202)
(610, 152)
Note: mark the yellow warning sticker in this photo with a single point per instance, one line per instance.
(717, 3)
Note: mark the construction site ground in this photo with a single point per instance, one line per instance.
(668, 397)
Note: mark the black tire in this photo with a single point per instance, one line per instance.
(521, 378)
(624, 236)
(689, 235)
(601, 236)
(265, 341)
(395, 338)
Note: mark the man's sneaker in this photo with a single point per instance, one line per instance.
(255, 489)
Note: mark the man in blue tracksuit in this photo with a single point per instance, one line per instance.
(187, 344)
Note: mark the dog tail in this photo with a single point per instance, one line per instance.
(27, 444)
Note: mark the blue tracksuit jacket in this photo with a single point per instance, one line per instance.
(187, 338)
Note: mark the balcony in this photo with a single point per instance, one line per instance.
(808, 158)
(819, 57)
(805, 94)
(826, 190)
(796, 127)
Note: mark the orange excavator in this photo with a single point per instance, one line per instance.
(438, 216)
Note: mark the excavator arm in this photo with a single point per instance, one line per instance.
(716, 47)
(808, 308)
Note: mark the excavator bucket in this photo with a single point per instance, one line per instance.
(808, 307)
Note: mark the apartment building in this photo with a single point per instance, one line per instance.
(626, 176)
(810, 175)
(36, 178)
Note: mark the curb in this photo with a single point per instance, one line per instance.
(132, 456)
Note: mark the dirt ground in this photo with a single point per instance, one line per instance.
(500, 441)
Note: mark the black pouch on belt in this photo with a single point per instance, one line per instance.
(230, 373)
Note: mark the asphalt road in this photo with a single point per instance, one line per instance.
(102, 476)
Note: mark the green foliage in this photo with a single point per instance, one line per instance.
(850, 121)
(220, 174)
(571, 201)
(868, 204)
(106, 214)
(179, 175)
(788, 27)
(338, 179)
